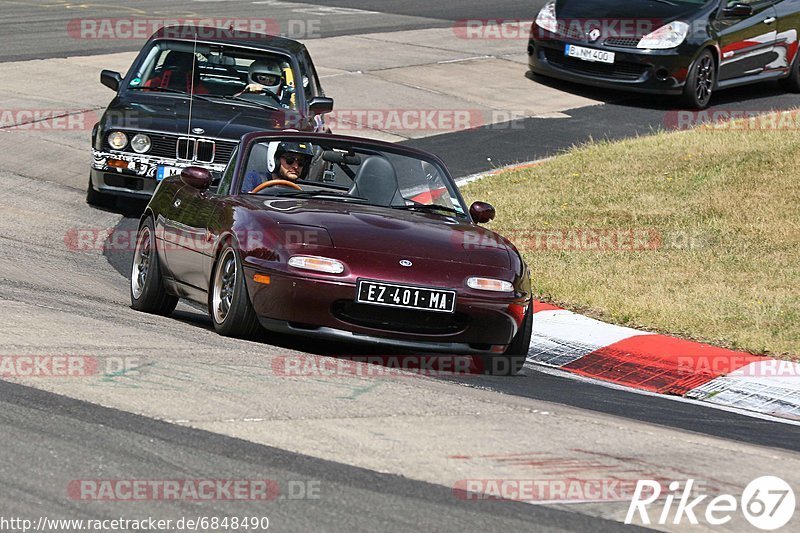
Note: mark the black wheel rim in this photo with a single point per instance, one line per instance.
(705, 79)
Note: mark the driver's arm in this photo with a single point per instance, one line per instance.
(251, 88)
(252, 180)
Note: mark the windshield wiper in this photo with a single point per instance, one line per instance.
(171, 91)
(428, 207)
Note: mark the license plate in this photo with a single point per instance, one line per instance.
(589, 54)
(166, 172)
(406, 296)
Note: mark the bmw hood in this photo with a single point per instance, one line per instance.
(170, 115)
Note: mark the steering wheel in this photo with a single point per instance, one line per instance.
(270, 94)
(272, 183)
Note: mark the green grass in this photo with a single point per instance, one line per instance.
(725, 204)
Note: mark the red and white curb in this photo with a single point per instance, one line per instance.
(658, 363)
(662, 364)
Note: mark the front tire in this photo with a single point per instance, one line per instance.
(147, 287)
(792, 82)
(701, 81)
(229, 304)
(510, 363)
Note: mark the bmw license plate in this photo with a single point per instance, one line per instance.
(406, 296)
(165, 172)
(589, 54)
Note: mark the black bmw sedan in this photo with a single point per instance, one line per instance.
(689, 48)
(187, 99)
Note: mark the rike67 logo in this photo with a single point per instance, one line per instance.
(768, 503)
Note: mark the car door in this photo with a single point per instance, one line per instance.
(786, 44)
(187, 238)
(747, 43)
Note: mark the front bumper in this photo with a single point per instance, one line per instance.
(647, 71)
(138, 179)
(325, 308)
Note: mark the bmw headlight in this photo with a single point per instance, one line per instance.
(665, 37)
(140, 143)
(546, 19)
(117, 140)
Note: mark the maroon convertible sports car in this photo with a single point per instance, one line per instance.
(372, 243)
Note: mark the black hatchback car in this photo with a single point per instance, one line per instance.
(673, 47)
(188, 98)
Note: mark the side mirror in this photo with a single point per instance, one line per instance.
(738, 10)
(111, 79)
(481, 212)
(197, 177)
(319, 105)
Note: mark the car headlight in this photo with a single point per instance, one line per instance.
(489, 284)
(546, 19)
(317, 264)
(117, 140)
(665, 37)
(140, 143)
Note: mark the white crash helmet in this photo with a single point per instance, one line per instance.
(301, 149)
(266, 73)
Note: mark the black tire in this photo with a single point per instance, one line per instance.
(147, 287)
(97, 199)
(701, 81)
(792, 82)
(228, 302)
(510, 363)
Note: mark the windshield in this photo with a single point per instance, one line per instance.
(224, 72)
(339, 171)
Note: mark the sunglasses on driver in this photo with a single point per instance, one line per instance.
(291, 160)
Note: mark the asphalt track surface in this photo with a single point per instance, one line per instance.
(63, 435)
(37, 29)
(124, 445)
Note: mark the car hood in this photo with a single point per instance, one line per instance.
(651, 12)
(170, 114)
(404, 233)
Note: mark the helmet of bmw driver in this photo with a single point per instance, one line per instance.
(266, 73)
(278, 148)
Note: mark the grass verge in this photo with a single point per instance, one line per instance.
(695, 234)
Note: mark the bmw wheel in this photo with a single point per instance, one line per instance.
(229, 304)
(147, 287)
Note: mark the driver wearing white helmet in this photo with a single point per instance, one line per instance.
(266, 78)
(285, 161)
